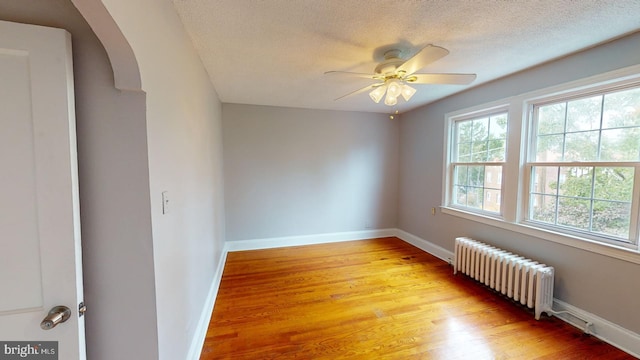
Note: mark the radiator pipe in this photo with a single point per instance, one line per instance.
(587, 323)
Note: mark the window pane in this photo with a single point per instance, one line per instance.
(460, 195)
(475, 197)
(480, 129)
(492, 188)
(613, 184)
(543, 208)
(498, 127)
(575, 181)
(463, 131)
(584, 114)
(549, 148)
(476, 176)
(574, 212)
(496, 150)
(492, 177)
(464, 152)
(492, 200)
(551, 119)
(622, 109)
(479, 151)
(582, 146)
(620, 145)
(461, 175)
(612, 218)
(545, 179)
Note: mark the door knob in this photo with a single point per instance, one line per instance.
(57, 315)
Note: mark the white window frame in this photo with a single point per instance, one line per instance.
(529, 163)
(462, 116)
(515, 181)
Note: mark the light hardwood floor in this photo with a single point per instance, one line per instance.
(375, 299)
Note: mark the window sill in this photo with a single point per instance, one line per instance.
(618, 252)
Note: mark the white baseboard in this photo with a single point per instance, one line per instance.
(603, 329)
(269, 243)
(203, 324)
(425, 245)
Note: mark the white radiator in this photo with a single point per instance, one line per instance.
(523, 280)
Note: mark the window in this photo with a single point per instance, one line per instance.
(479, 150)
(583, 161)
(561, 164)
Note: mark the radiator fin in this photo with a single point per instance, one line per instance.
(524, 280)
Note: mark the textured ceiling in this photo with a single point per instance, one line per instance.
(274, 52)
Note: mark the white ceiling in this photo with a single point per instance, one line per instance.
(274, 52)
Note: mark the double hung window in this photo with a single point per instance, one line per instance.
(479, 149)
(562, 163)
(583, 163)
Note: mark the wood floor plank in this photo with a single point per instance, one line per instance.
(375, 299)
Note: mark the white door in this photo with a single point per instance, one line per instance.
(40, 255)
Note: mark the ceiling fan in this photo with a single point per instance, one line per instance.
(394, 74)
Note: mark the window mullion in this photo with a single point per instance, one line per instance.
(599, 149)
(555, 214)
(634, 231)
(593, 195)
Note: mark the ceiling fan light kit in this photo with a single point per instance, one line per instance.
(393, 74)
(393, 89)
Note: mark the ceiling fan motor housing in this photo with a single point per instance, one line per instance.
(390, 64)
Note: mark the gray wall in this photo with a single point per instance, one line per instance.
(147, 275)
(183, 124)
(297, 172)
(184, 119)
(599, 284)
(114, 192)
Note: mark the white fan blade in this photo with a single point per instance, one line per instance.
(350, 74)
(454, 79)
(359, 91)
(424, 57)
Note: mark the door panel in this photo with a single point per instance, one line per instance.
(18, 191)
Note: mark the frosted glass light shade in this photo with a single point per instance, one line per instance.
(390, 100)
(377, 93)
(394, 88)
(407, 92)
